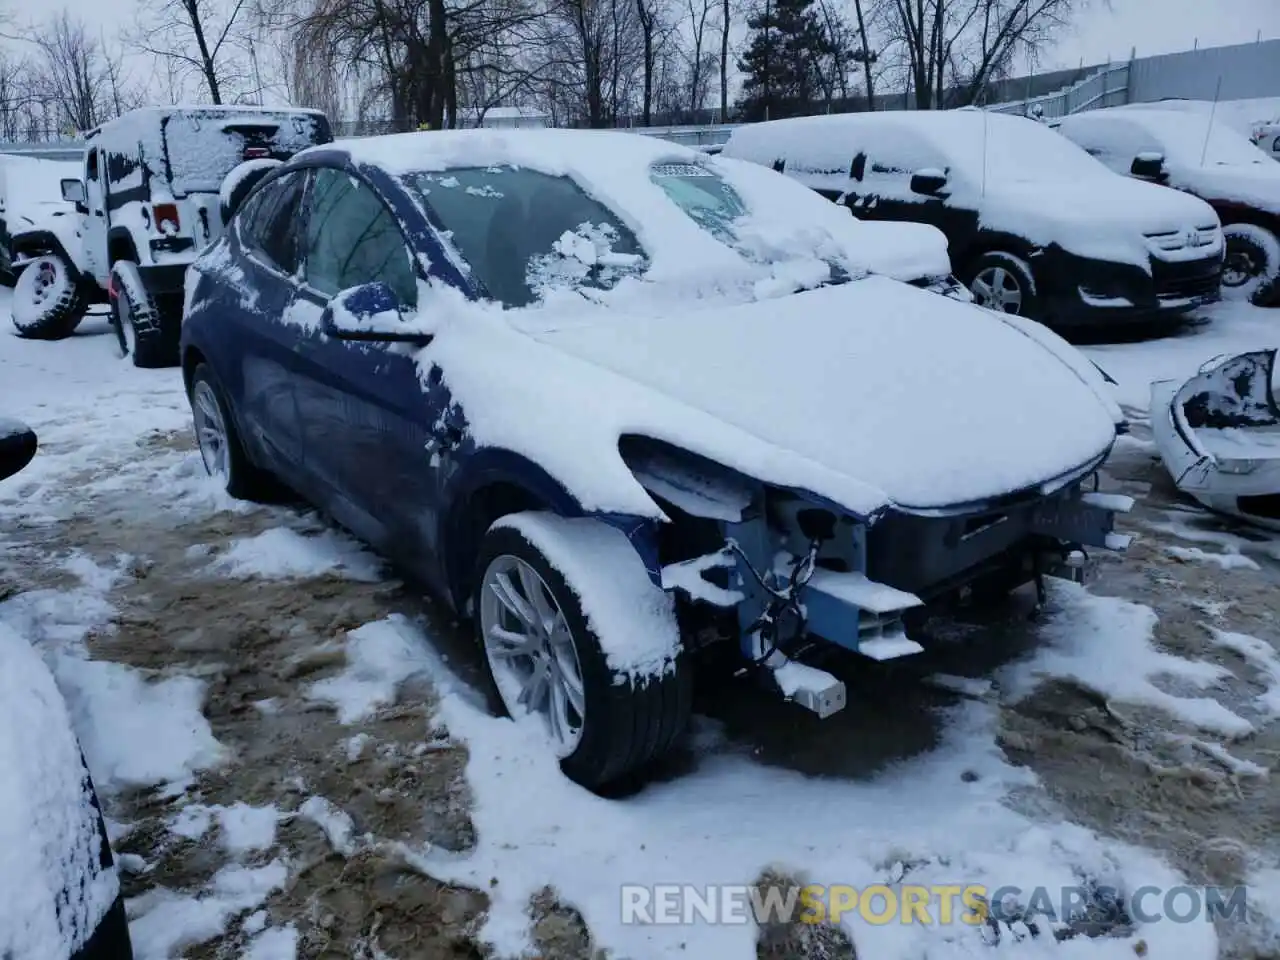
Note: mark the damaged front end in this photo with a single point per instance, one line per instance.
(1218, 435)
(783, 576)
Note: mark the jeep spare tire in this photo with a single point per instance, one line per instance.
(141, 335)
(48, 303)
(240, 181)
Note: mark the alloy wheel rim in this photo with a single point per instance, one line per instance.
(997, 289)
(211, 431)
(1239, 269)
(46, 276)
(531, 651)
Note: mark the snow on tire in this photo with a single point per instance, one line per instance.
(136, 319)
(47, 301)
(1252, 268)
(580, 641)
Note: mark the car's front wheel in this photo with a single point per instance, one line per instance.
(48, 303)
(219, 442)
(1252, 268)
(547, 661)
(1003, 282)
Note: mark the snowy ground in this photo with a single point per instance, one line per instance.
(295, 761)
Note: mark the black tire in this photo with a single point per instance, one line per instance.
(141, 331)
(48, 301)
(18, 445)
(628, 722)
(244, 480)
(1252, 269)
(1014, 273)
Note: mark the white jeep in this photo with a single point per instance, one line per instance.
(157, 188)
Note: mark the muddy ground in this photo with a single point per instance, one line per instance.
(1126, 772)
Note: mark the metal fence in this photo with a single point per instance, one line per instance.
(1108, 87)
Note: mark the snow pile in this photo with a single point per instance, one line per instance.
(281, 552)
(278, 943)
(53, 890)
(1105, 644)
(163, 923)
(337, 825)
(940, 819)
(243, 828)
(1264, 660)
(137, 733)
(380, 656)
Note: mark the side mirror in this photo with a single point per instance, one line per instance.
(73, 191)
(1149, 166)
(369, 313)
(928, 181)
(17, 447)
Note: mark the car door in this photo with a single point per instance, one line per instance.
(258, 285)
(363, 406)
(95, 215)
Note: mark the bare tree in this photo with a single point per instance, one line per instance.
(206, 37)
(940, 41)
(726, 23)
(698, 60)
(73, 73)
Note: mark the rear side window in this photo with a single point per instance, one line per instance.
(268, 222)
(353, 239)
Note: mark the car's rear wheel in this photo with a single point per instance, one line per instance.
(1252, 269)
(48, 303)
(140, 332)
(219, 442)
(549, 668)
(1003, 282)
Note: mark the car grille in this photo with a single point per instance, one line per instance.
(1171, 241)
(1181, 285)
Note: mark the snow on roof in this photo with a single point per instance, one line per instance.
(963, 141)
(135, 123)
(786, 221)
(1184, 137)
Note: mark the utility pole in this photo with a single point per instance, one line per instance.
(257, 77)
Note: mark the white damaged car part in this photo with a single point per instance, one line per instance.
(1219, 435)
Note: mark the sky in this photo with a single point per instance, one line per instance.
(1162, 26)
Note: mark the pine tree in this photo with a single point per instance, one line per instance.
(782, 62)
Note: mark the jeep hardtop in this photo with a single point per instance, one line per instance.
(158, 186)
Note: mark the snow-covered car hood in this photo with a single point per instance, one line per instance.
(870, 393)
(1252, 184)
(1089, 221)
(906, 251)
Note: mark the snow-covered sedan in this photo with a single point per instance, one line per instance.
(618, 401)
(1211, 160)
(59, 892)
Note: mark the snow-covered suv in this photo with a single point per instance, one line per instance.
(157, 186)
(1207, 159)
(1036, 227)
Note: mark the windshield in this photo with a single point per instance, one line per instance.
(703, 195)
(1187, 139)
(525, 234)
(1022, 151)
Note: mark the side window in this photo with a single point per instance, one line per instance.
(268, 221)
(91, 164)
(352, 238)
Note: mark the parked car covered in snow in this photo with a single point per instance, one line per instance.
(30, 201)
(157, 185)
(1218, 434)
(619, 402)
(1266, 137)
(1210, 160)
(1035, 226)
(59, 891)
